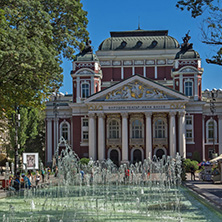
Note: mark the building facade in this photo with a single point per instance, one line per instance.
(140, 95)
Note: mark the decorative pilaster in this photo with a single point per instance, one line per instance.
(195, 87)
(101, 136)
(56, 133)
(77, 89)
(181, 83)
(92, 136)
(49, 140)
(92, 85)
(172, 135)
(148, 135)
(182, 132)
(220, 134)
(124, 137)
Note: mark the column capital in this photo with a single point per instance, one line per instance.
(148, 114)
(91, 115)
(172, 113)
(182, 113)
(101, 115)
(124, 114)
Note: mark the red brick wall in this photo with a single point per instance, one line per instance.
(150, 72)
(116, 74)
(107, 74)
(127, 72)
(139, 70)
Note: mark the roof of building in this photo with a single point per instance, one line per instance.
(139, 40)
(89, 56)
(189, 54)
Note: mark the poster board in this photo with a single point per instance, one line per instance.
(30, 161)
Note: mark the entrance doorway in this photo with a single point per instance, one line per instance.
(137, 156)
(159, 153)
(114, 156)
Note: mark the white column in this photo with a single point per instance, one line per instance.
(49, 140)
(203, 138)
(124, 137)
(144, 70)
(172, 132)
(92, 136)
(77, 89)
(122, 72)
(71, 133)
(133, 70)
(182, 132)
(195, 87)
(101, 136)
(220, 135)
(148, 135)
(155, 70)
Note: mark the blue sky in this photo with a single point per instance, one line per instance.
(122, 15)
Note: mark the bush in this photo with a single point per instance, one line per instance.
(84, 161)
(188, 163)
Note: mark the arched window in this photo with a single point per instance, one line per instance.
(113, 129)
(136, 129)
(65, 131)
(160, 129)
(85, 90)
(211, 127)
(188, 88)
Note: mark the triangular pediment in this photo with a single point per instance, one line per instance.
(136, 88)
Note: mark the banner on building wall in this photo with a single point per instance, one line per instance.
(30, 161)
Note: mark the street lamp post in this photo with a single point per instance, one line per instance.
(55, 111)
(17, 145)
(213, 95)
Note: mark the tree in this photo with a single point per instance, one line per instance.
(34, 36)
(212, 27)
(31, 132)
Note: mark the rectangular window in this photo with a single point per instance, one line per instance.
(210, 152)
(188, 134)
(189, 128)
(85, 122)
(84, 131)
(85, 135)
(188, 120)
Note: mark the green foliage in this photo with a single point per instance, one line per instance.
(211, 28)
(196, 156)
(188, 163)
(34, 35)
(3, 159)
(31, 133)
(84, 161)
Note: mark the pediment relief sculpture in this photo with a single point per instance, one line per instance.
(136, 91)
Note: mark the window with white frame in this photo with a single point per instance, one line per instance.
(114, 129)
(189, 128)
(85, 129)
(65, 131)
(211, 131)
(136, 129)
(188, 88)
(160, 129)
(85, 90)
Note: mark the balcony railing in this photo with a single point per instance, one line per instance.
(113, 141)
(136, 141)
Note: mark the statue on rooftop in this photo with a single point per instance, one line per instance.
(186, 45)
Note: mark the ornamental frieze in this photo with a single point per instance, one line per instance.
(136, 91)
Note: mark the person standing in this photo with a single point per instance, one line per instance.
(43, 175)
(37, 178)
(48, 172)
(192, 172)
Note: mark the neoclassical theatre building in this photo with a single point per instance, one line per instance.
(140, 95)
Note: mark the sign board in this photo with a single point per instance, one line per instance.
(30, 161)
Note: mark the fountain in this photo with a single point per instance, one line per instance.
(100, 191)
